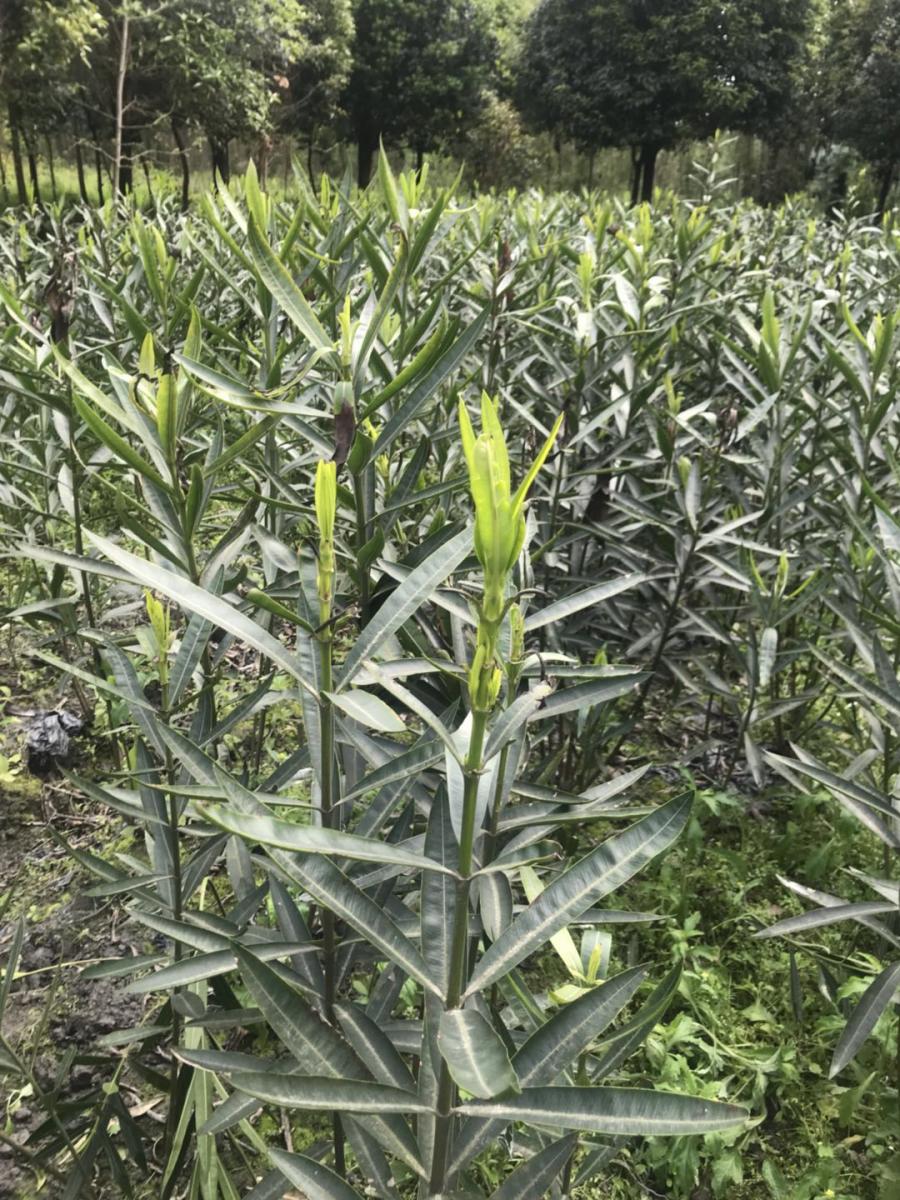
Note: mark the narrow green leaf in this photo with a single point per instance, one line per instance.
(374, 1047)
(313, 1094)
(827, 916)
(595, 876)
(318, 1049)
(585, 695)
(636, 1112)
(369, 710)
(331, 887)
(198, 600)
(122, 449)
(411, 594)
(445, 365)
(864, 1017)
(532, 1178)
(277, 279)
(475, 1054)
(313, 839)
(316, 1182)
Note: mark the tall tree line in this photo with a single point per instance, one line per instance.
(108, 78)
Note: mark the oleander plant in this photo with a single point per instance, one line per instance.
(382, 538)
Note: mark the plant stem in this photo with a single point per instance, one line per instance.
(328, 819)
(446, 1093)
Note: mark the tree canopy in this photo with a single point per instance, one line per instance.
(648, 73)
(419, 72)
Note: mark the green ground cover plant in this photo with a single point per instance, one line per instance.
(428, 568)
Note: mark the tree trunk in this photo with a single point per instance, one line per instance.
(309, 161)
(636, 165)
(221, 167)
(263, 156)
(95, 142)
(884, 190)
(420, 159)
(33, 174)
(4, 184)
(52, 167)
(178, 135)
(648, 163)
(98, 166)
(145, 164)
(128, 145)
(366, 146)
(79, 167)
(16, 147)
(119, 184)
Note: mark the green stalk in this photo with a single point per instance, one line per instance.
(172, 1116)
(458, 949)
(362, 536)
(328, 821)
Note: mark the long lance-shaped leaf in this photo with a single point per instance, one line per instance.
(374, 1047)
(448, 362)
(410, 762)
(827, 916)
(370, 711)
(316, 1182)
(531, 1179)
(405, 600)
(569, 605)
(228, 1061)
(475, 1054)
(294, 928)
(618, 1045)
(375, 321)
(122, 449)
(595, 876)
(637, 1112)
(522, 709)
(197, 600)
(311, 839)
(370, 1158)
(277, 279)
(208, 966)
(864, 1017)
(74, 562)
(439, 895)
(193, 643)
(871, 691)
(558, 1043)
(319, 876)
(827, 900)
(328, 885)
(317, 1048)
(586, 695)
(835, 783)
(553, 1047)
(313, 1093)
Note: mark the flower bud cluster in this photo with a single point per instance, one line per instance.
(499, 536)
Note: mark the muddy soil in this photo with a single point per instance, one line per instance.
(53, 1011)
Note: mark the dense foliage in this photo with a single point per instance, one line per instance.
(134, 83)
(383, 773)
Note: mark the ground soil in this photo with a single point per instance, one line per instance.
(53, 1010)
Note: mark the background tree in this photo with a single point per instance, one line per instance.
(420, 68)
(41, 43)
(862, 88)
(319, 75)
(647, 74)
